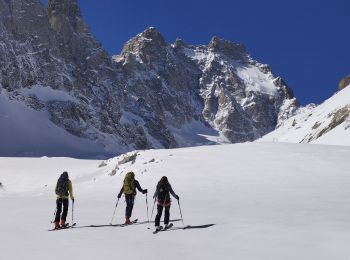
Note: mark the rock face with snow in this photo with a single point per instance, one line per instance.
(51, 62)
(153, 94)
(219, 86)
(344, 82)
(328, 123)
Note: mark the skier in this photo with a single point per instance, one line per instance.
(63, 190)
(129, 189)
(162, 194)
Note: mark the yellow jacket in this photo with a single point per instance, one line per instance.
(70, 190)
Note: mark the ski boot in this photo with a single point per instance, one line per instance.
(127, 221)
(63, 224)
(57, 225)
(159, 228)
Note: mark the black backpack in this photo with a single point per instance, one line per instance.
(163, 191)
(62, 186)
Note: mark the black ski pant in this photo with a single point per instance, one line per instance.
(159, 215)
(59, 203)
(129, 199)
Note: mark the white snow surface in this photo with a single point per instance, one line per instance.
(311, 121)
(24, 129)
(256, 81)
(267, 200)
(196, 133)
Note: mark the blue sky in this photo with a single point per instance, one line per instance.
(306, 42)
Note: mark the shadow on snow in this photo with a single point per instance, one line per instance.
(122, 225)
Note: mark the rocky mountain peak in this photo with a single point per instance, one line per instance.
(68, 7)
(147, 45)
(75, 41)
(179, 43)
(229, 48)
(153, 34)
(65, 17)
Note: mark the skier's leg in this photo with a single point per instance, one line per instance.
(58, 213)
(128, 210)
(65, 211)
(159, 215)
(127, 206)
(167, 215)
(58, 210)
(132, 201)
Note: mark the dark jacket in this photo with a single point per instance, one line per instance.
(162, 193)
(137, 186)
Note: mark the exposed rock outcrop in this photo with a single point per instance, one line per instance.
(344, 82)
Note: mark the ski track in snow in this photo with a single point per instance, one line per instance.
(268, 201)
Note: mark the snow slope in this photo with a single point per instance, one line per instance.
(328, 123)
(267, 201)
(24, 129)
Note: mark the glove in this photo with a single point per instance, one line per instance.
(119, 195)
(73, 200)
(145, 191)
(177, 197)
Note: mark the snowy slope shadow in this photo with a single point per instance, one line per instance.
(121, 225)
(190, 227)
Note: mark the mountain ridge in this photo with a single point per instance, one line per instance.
(152, 95)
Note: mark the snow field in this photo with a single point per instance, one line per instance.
(310, 122)
(268, 201)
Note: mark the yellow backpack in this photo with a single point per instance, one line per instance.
(129, 185)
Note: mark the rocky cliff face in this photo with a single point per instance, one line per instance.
(219, 86)
(153, 94)
(52, 51)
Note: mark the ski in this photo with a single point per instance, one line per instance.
(188, 227)
(105, 225)
(168, 226)
(67, 226)
(164, 228)
(132, 222)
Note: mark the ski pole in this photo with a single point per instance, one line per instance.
(152, 212)
(114, 212)
(54, 215)
(182, 219)
(72, 212)
(147, 208)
